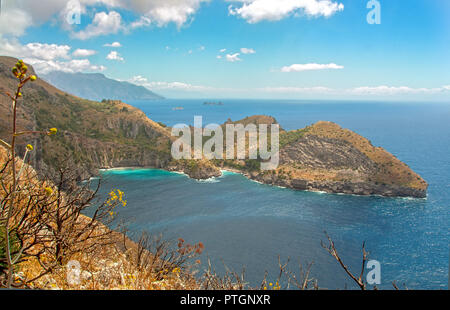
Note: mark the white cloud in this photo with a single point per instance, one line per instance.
(254, 11)
(46, 51)
(364, 91)
(46, 57)
(233, 57)
(223, 50)
(114, 56)
(163, 12)
(138, 80)
(12, 47)
(318, 89)
(143, 81)
(176, 86)
(114, 44)
(143, 21)
(37, 51)
(396, 90)
(83, 53)
(17, 16)
(14, 22)
(72, 66)
(310, 67)
(245, 50)
(56, 10)
(102, 24)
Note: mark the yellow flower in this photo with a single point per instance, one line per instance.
(15, 71)
(33, 78)
(29, 148)
(52, 131)
(48, 191)
(176, 270)
(113, 195)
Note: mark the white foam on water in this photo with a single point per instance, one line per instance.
(210, 180)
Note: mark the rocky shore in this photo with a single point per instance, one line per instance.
(348, 188)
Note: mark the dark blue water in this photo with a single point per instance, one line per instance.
(247, 224)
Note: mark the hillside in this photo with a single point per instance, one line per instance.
(96, 86)
(94, 134)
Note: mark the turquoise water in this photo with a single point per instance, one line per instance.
(246, 224)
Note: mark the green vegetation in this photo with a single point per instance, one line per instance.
(15, 246)
(252, 165)
(291, 136)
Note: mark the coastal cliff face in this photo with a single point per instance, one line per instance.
(112, 134)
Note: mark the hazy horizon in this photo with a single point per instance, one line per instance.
(253, 49)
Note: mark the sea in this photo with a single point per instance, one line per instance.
(250, 227)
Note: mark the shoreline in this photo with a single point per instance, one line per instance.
(248, 177)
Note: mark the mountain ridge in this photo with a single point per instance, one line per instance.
(96, 86)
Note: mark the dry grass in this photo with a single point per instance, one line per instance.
(108, 268)
(108, 259)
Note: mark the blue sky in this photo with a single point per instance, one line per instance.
(287, 49)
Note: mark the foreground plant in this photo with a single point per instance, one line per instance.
(20, 71)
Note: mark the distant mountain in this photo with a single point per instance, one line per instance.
(96, 86)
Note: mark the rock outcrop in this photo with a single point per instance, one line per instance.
(199, 170)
